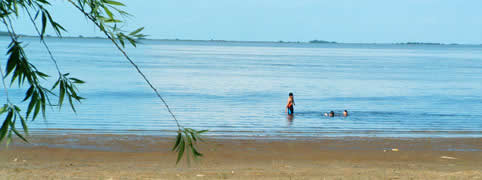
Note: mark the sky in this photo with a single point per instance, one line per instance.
(350, 21)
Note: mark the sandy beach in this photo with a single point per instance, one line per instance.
(149, 157)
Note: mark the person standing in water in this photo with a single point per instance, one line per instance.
(345, 113)
(291, 103)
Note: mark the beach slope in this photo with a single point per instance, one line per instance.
(146, 157)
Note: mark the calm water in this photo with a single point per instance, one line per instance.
(241, 89)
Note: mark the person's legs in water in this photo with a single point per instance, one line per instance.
(290, 110)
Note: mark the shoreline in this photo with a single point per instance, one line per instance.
(284, 135)
(142, 143)
(408, 43)
(133, 157)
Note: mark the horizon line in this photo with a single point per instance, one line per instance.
(314, 41)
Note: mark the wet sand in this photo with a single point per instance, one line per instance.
(148, 157)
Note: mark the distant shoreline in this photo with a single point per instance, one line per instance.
(235, 41)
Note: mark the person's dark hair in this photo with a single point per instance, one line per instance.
(331, 112)
(291, 94)
(345, 110)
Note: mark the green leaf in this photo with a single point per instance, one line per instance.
(107, 11)
(72, 104)
(44, 25)
(61, 93)
(121, 40)
(123, 12)
(136, 31)
(57, 27)
(193, 135)
(31, 105)
(24, 124)
(132, 41)
(37, 109)
(78, 98)
(56, 84)
(112, 20)
(181, 150)
(13, 58)
(9, 138)
(4, 128)
(195, 152)
(42, 103)
(17, 133)
(28, 93)
(16, 108)
(77, 81)
(36, 15)
(202, 131)
(44, 2)
(188, 138)
(41, 74)
(3, 109)
(115, 3)
(178, 140)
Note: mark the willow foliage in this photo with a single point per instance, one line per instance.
(107, 16)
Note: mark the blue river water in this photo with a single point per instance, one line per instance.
(241, 89)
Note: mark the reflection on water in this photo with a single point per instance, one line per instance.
(290, 119)
(240, 88)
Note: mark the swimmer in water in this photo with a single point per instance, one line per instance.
(291, 103)
(345, 113)
(332, 114)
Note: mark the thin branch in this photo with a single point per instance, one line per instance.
(43, 41)
(11, 32)
(130, 61)
(3, 82)
(1, 69)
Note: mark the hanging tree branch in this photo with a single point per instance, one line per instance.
(41, 35)
(67, 85)
(13, 111)
(110, 36)
(102, 14)
(186, 137)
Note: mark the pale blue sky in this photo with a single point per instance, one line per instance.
(446, 21)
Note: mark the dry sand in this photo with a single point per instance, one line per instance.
(147, 157)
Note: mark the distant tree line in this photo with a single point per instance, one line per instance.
(323, 42)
